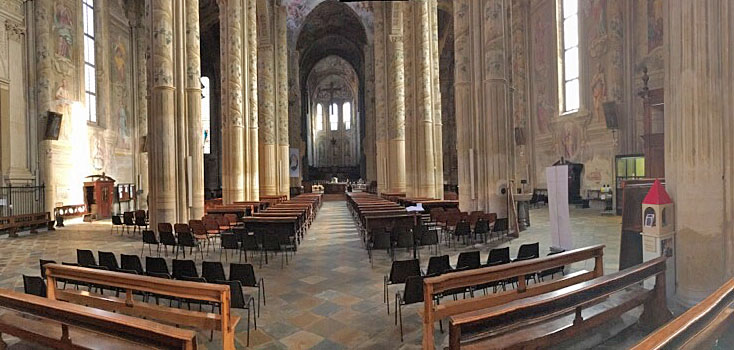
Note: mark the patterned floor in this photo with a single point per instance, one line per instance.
(328, 297)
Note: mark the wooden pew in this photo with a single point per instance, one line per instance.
(549, 319)
(215, 293)
(701, 327)
(239, 210)
(33, 221)
(439, 284)
(61, 325)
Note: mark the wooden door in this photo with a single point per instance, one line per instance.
(105, 195)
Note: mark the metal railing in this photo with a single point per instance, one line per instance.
(19, 200)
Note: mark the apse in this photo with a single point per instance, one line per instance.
(331, 64)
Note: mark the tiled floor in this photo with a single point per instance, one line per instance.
(328, 297)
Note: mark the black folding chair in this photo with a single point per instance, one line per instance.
(399, 272)
(245, 274)
(34, 285)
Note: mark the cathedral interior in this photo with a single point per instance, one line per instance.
(363, 160)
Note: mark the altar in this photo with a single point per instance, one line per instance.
(335, 187)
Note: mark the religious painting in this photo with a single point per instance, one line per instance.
(654, 24)
(98, 152)
(596, 13)
(63, 25)
(544, 69)
(119, 60)
(599, 92)
(120, 85)
(570, 140)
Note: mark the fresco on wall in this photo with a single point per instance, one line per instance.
(63, 30)
(596, 13)
(599, 92)
(654, 24)
(120, 89)
(570, 140)
(543, 67)
(299, 9)
(97, 154)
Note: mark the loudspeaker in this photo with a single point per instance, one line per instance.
(610, 114)
(520, 136)
(53, 126)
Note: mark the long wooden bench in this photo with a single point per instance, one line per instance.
(518, 270)
(33, 221)
(706, 324)
(213, 293)
(550, 319)
(61, 325)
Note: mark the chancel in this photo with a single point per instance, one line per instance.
(338, 174)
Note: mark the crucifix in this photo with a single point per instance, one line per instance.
(331, 91)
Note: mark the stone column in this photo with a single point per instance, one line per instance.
(423, 101)
(481, 104)
(266, 105)
(380, 49)
(273, 100)
(141, 40)
(252, 177)
(396, 102)
(699, 100)
(232, 13)
(437, 117)
(281, 93)
(162, 140)
(193, 110)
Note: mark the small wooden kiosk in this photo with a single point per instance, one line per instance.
(99, 195)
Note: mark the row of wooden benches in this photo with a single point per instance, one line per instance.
(555, 313)
(62, 322)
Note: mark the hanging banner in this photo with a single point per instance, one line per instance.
(560, 225)
(294, 162)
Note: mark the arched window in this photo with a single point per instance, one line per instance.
(319, 117)
(90, 68)
(347, 115)
(334, 117)
(571, 93)
(205, 113)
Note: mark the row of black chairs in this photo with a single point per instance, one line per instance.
(408, 272)
(137, 220)
(239, 241)
(240, 275)
(402, 238)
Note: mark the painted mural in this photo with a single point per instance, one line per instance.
(596, 12)
(121, 102)
(63, 26)
(544, 68)
(654, 24)
(299, 9)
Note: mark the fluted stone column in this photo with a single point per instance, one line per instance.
(481, 104)
(44, 96)
(390, 97)
(232, 13)
(273, 101)
(437, 117)
(252, 177)
(266, 107)
(699, 122)
(422, 101)
(281, 107)
(193, 109)
(162, 124)
(396, 102)
(380, 49)
(141, 43)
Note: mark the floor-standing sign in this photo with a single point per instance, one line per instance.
(560, 226)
